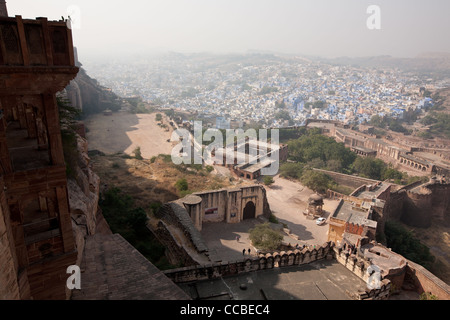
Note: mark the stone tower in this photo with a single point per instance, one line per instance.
(36, 237)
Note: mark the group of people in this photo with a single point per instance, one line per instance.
(351, 248)
(243, 250)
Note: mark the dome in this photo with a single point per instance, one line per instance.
(315, 198)
(191, 199)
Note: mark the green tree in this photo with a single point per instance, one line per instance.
(316, 181)
(264, 237)
(282, 115)
(378, 121)
(291, 170)
(158, 117)
(392, 174)
(369, 167)
(266, 90)
(319, 104)
(405, 243)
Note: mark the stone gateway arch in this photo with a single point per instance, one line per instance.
(249, 211)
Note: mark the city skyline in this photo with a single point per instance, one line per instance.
(321, 28)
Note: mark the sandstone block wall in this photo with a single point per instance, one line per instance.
(176, 251)
(9, 288)
(425, 281)
(348, 180)
(358, 266)
(175, 214)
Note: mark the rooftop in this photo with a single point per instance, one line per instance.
(383, 257)
(255, 167)
(372, 192)
(346, 211)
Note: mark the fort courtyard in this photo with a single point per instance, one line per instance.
(288, 200)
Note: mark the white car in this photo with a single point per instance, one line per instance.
(320, 221)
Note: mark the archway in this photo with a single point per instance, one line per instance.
(249, 211)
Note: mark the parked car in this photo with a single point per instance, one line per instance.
(320, 221)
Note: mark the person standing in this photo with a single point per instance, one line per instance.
(243, 252)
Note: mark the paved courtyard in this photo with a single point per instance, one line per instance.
(320, 280)
(287, 200)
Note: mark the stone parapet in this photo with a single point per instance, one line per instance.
(266, 262)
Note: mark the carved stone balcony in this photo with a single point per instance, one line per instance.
(37, 52)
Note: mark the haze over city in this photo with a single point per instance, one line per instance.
(198, 150)
(323, 28)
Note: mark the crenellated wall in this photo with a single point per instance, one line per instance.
(359, 266)
(269, 261)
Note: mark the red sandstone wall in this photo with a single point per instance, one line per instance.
(9, 288)
(425, 281)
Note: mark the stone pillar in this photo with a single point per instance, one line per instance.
(3, 9)
(53, 130)
(193, 205)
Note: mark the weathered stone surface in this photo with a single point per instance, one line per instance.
(114, 270)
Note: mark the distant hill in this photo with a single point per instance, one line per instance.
(432, 64)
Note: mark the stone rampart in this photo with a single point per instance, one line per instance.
(175, 214)
(175, 251)
(359, 266)
(425, 281)
(348, 180)
(268, 261)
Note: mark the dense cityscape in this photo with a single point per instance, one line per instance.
(271, 90)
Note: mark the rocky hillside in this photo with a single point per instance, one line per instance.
(89, 96)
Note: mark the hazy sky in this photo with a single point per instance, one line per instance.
(327, 28)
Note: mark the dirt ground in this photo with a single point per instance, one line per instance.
(123, 132)
(288, 199)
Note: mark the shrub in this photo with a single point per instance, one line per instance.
(265, 238)
(165, 157)
(428, 296)
(182, 184)
(273, 218)
(137, 153)
(268, 180)
(403, 242)
(129, 221)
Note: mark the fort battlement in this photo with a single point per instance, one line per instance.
(265, 262)
(284, 259)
